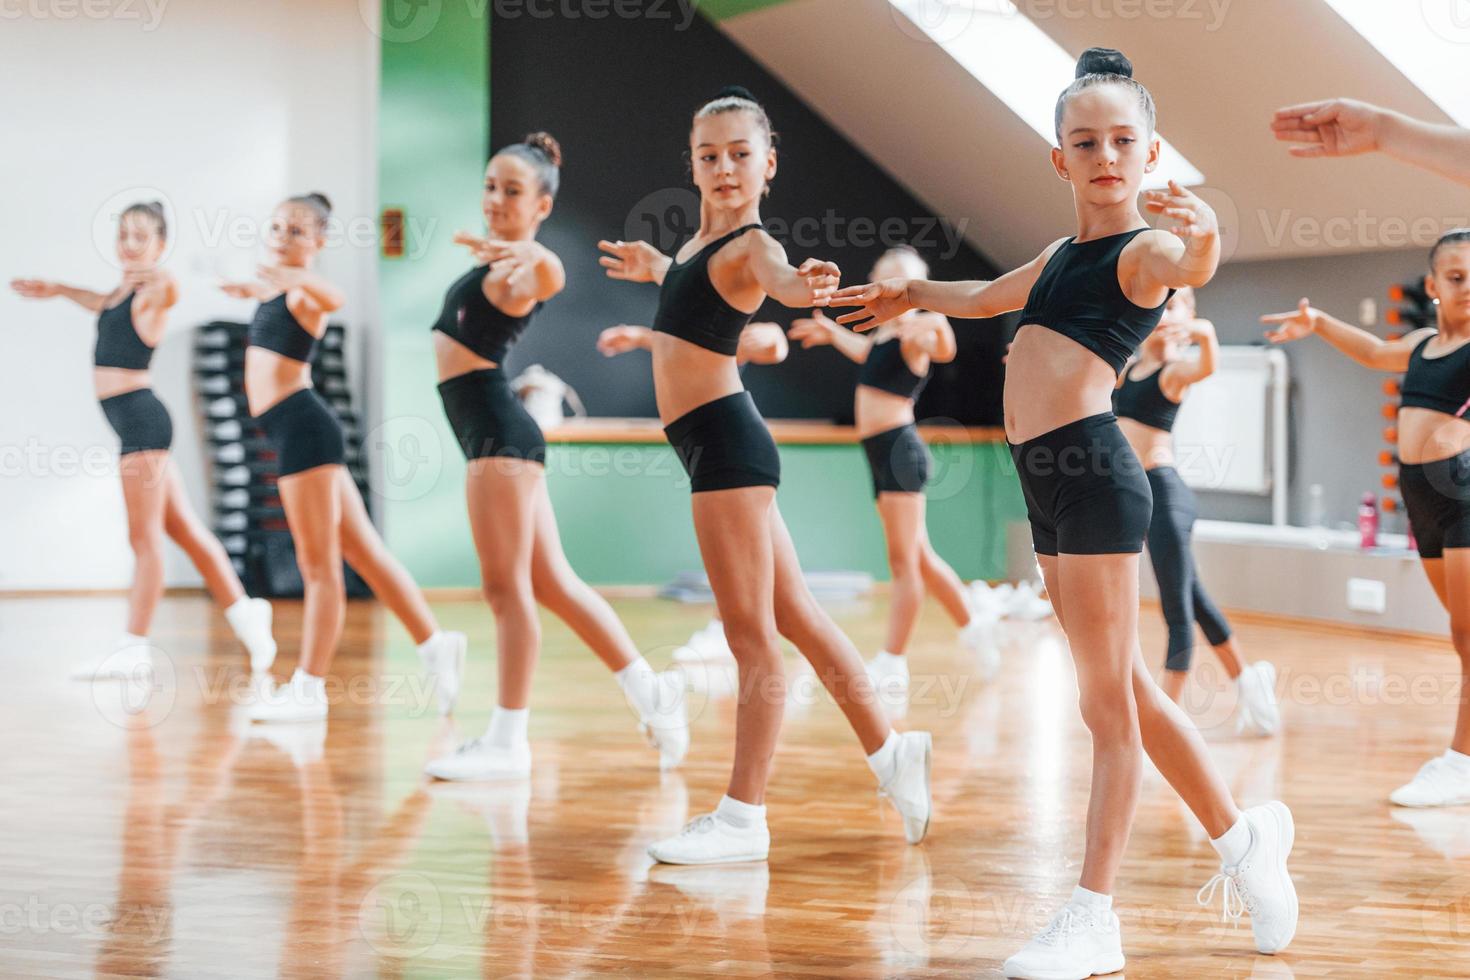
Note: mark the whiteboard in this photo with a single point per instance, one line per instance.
(1224, 437)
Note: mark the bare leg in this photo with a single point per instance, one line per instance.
(573, 601)
(1457, 590)
(734, 532)
(202, 547)
(145, 493)
(501, 494)
(943, 583)
(903, 526)
(314, 513)
(837, 662)
(363, 549)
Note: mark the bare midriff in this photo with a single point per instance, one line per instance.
(455, 358)
(1154, 447)
(271, 377)
(1426, 435)
(1051, 381)
(686, 376)
(109, 382)
(876, 410)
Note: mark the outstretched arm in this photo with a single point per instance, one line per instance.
(44, 289)
(762, 343)
(1362, 346)
(820, 330)
(890, 298)
(623, 338)
(930, 333)
(1189, 256)
(634, 261)
(529, 271)
(1201, 332)
(1346, 127)
(322, 294)
(810, 284)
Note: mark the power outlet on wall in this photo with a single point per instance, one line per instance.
(1367, 313)
(1367, 595)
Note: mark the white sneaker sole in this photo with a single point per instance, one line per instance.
(740, 858)
(1287, 831)
(1098, 970)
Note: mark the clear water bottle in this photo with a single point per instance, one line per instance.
(1317, 514)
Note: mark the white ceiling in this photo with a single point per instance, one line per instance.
(1216, 78)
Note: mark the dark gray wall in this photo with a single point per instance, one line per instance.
(1335, 407)
(619, 94)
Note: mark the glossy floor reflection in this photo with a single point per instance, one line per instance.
(147, 830)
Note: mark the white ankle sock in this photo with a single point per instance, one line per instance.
(309, 683)
(507, 728)
(1234, 843)
(131, 640)
(1091, 900)
(640, 686)
(883, 761)
(430, 643)
(742, 815)
(886, 658)
(1459, 761)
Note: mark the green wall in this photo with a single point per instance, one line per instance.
(433, 141)
(623, 510)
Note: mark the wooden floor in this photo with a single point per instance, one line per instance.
(173, 841)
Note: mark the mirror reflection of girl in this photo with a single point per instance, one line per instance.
(1434, 467)
(516, 538)
(710, 289)
(894, 368)
(1150, 391)
(131, 320)
(1088, 302)
(328, 521)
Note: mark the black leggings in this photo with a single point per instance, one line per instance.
(898, 460)
(1180, 593)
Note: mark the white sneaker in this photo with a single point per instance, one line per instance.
(1079, 942)
(478, 759)
(707, 643)
(978, 637)
(251, 620)
(127, 660)
(889, 675)
(1260, 885)
(1437, 783)
(1257, 712)
(709, 840)
(908, 788)
(667, 725)
(444, 667)
(293, 701)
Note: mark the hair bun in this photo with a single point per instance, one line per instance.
(1104, 61)
(547, 144)
(321, 199)
(735, 92)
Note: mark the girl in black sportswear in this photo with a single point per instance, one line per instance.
(514, 529)
(893, 371)
(324, 510)
(1150, 391)
(710, 290)
(131, 320)
(1088, 302)
(1434, 466)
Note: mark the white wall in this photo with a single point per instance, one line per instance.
(224, 107)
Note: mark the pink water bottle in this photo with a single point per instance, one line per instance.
(1368, 522)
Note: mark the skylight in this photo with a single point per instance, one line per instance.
(1021, 64)
(1426, 42)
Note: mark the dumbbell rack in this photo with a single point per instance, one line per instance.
(1414, 310)
(244, 470)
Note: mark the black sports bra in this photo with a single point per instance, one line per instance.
(118, 343)
(886, 370)
(690, 308)
(477, 323)
(1144, 401)
(275, 329)
(1078, 296)
(1440, 384)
